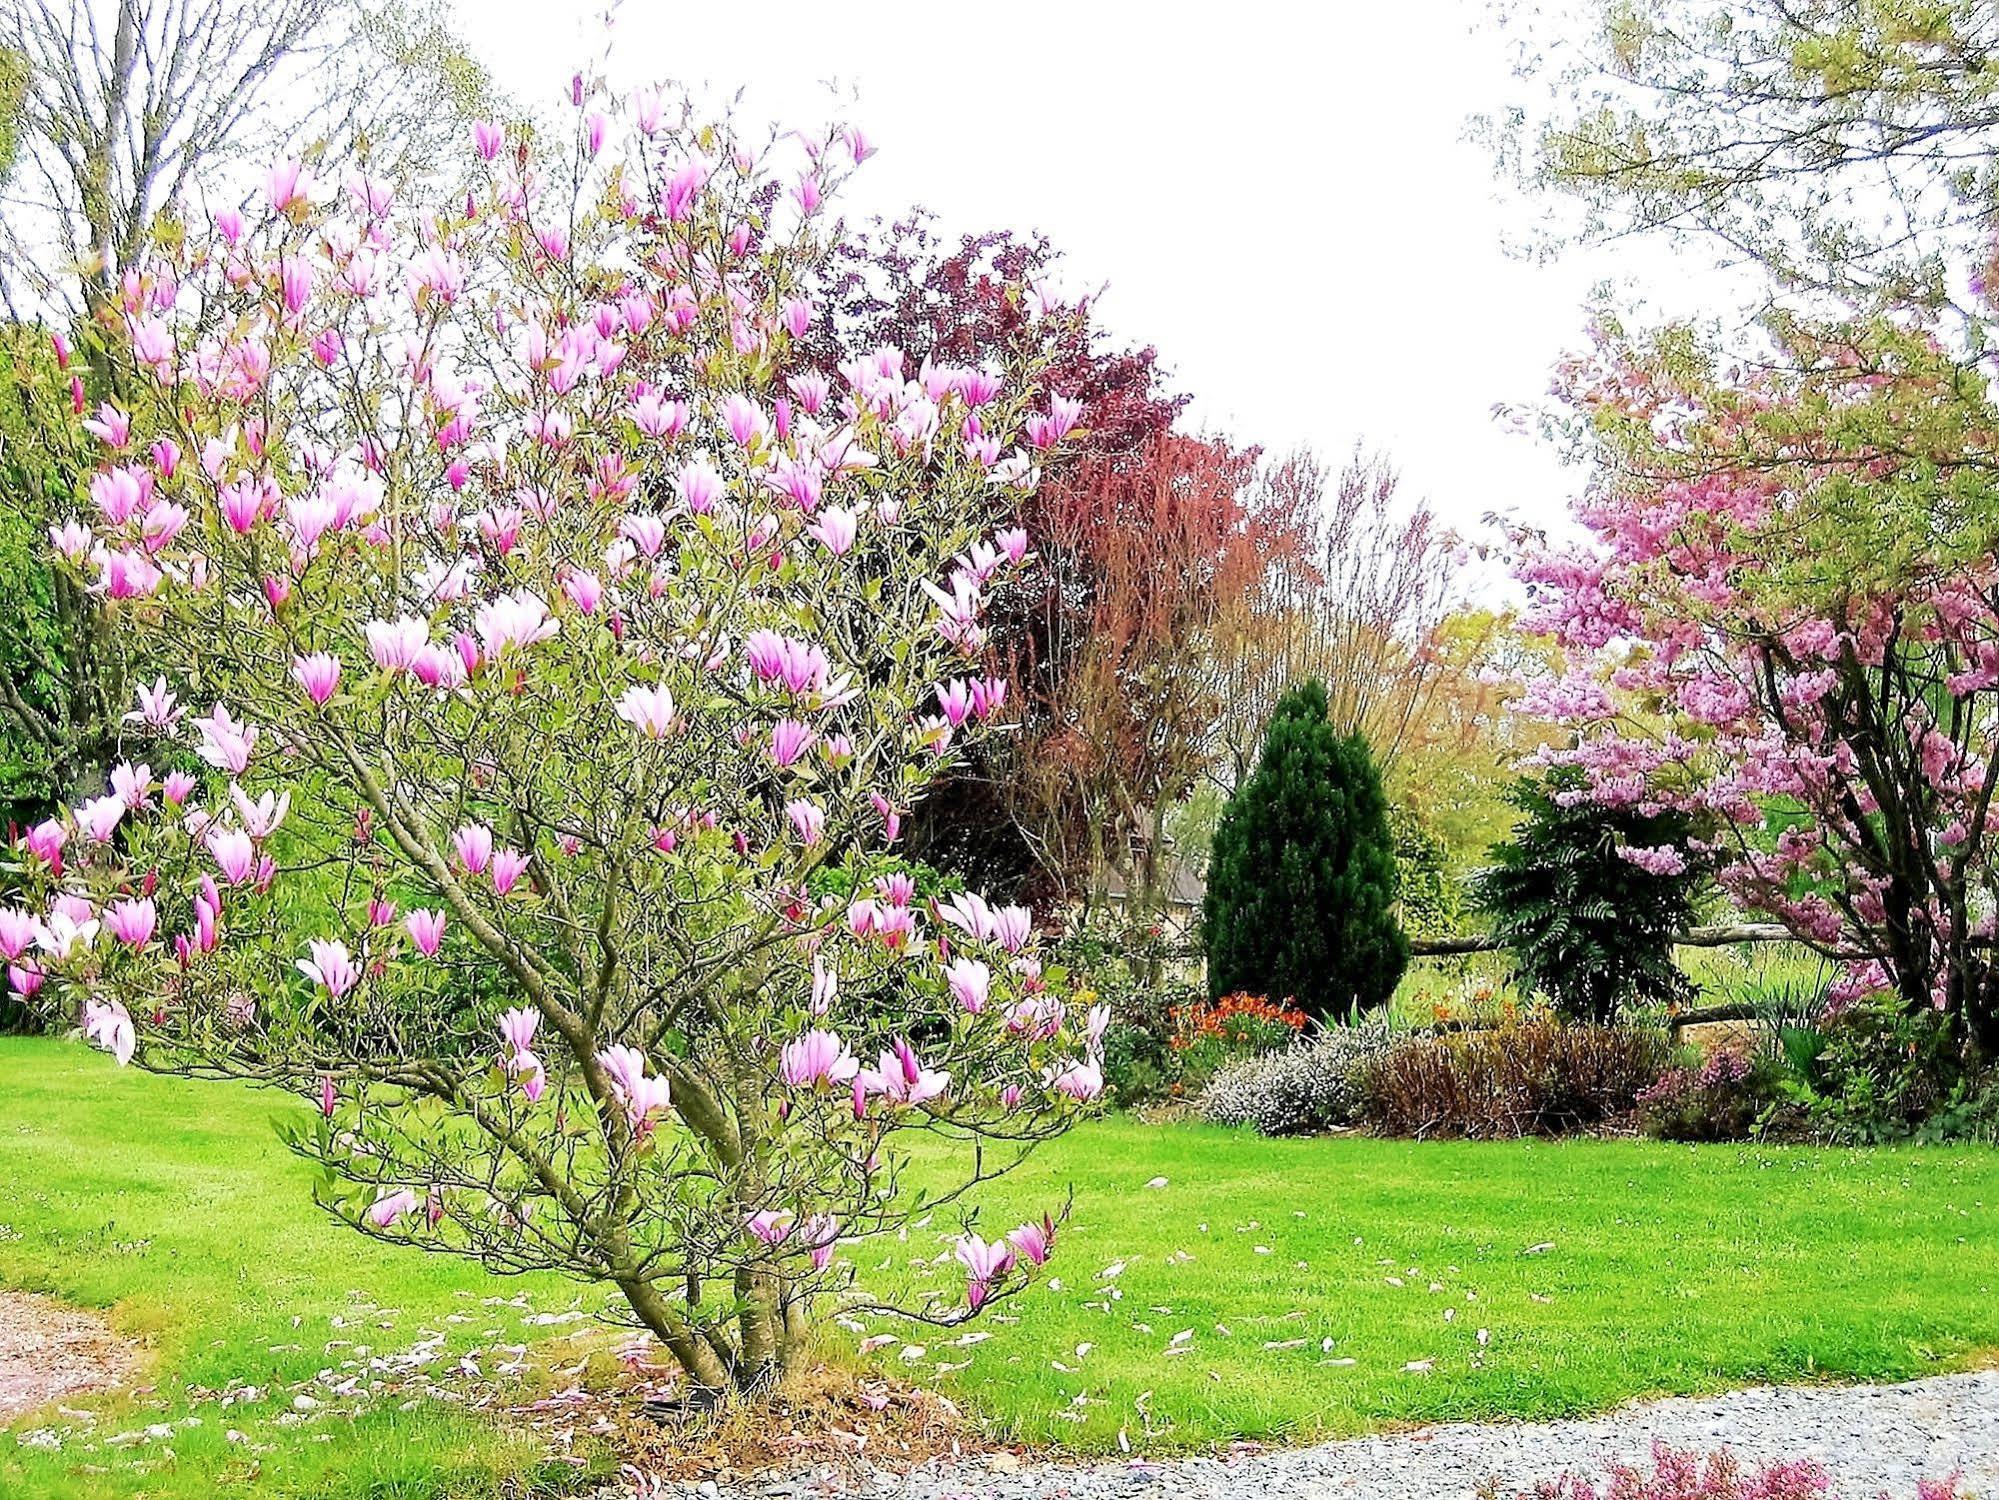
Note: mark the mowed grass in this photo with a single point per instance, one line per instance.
(1269, 1289)
(175, 1206)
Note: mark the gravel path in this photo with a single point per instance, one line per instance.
(1869, 1438)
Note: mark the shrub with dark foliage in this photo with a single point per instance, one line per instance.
(1530, 1075)
(1301, 887)
(1586, 925)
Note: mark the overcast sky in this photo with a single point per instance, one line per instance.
(1283, 202)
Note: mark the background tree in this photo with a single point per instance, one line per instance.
(1146, 539)
(129, 108)
(1301, 889)
(1588, 899)
(1846, 146)
(1369, 599)
(116, 116)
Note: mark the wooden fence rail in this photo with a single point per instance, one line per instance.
(1698, 937)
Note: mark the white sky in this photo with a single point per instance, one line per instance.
(1278, 195)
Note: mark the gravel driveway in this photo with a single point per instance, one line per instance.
(1869, 1438)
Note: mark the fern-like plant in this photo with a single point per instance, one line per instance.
(1588, 926)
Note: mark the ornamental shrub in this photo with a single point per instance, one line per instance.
(1531, 1075)
(1209, 1033)
(1714, 1098)
(1676, 1474)
(1588, 899)
(1301, 888)
(544, 627)
(1315, 1085)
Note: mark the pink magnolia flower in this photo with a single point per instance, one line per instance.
(156, 708)
(262, 817)
(65, 932)
(789, 739)
(45, 841)
(111, 427)
(100, 816)
(132, 785)
(1034, 1241)
(288, 186)
(836, 530)
(426, 930)
(816, 1059)
(743, 418)
(971, 983)
(327, 1097)
(396, 644)
(225, 743)
(17, 931)
(825, 986)
(207, 917)
(72, 539)
(233, 853)
(330, 967)
(584, 590)
(107, 1025)
(178, 787)
(517, 1029)
(821, 1234)
(808, 820)
(1013, 927)
(648, 110)
(487, 138)
(984, 1264)
(967, 911)
(685, 187)
(769, 1225)
(890, 815)
(902, 1078)
(474, 846)
(390, 1207)
(242, 507)
(648, 710)
(318, 674)
(512, 622)
(645, 1099)
(120, 494)
(698, 486)
(1082, 1079)
(126, 575)
(131, 921)
(508, 867)
(954, 698)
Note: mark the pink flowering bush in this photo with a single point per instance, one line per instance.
(1677, 1475)
(534, 627)
(1716, 1098)
(1784, 624)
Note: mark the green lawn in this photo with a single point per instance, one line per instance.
(1269, 1289)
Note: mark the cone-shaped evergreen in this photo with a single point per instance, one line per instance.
(1301, 887)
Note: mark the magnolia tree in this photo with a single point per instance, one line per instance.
(558, 658)
(1787, 625)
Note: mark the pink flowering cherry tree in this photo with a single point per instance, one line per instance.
(1785, 621)
(546, 647)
